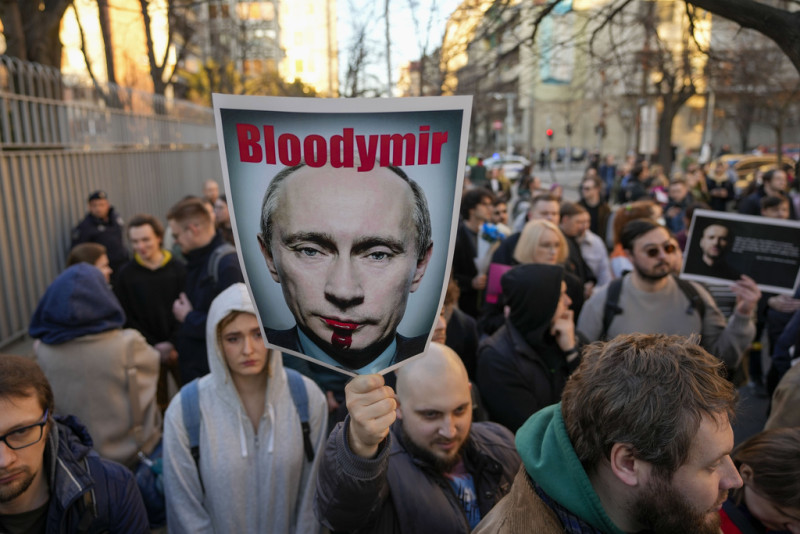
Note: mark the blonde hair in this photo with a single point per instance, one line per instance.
(530, 237)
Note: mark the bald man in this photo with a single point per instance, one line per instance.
(211, 191)
(413, 462)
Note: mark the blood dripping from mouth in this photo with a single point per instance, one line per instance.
(342, 335)
(342, 339)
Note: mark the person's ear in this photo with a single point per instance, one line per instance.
(268, 258)
(399, 409)
(746, 472)
(628, 254)
(422, 265)
(626, 467)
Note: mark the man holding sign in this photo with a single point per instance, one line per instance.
(347, 248)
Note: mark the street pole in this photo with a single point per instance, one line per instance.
(509, 122)
(388, 51)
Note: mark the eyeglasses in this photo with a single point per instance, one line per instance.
(669, 248)
(25, 436)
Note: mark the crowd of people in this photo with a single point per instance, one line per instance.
(575, 383)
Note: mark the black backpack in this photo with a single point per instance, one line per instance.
(612, 308)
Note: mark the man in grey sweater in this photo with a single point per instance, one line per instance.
(651, 301)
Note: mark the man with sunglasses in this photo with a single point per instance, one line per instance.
(50, 478)
(650, 300)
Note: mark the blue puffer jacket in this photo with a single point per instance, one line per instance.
(87, 493)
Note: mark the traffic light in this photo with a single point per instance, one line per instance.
(549, 133)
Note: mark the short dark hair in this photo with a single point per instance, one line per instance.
(648, 390)
(708, 224)
(86, 253)
(770, 174)
(472, 198)
(571, 209)
(421, 215)
(635, 229)
(143, 219)
(20, 376)
(189, 209)
(773, 201)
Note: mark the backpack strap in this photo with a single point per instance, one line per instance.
(217, 254)
(611, 309)
(190, 405)
(695, 300)
(300, 398)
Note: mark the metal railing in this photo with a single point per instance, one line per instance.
(60, 139)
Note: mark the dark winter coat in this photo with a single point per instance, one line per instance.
(86, 488)
(398, 493)
(521, 368)
(201, 290)
(147, 295)
(107, 233)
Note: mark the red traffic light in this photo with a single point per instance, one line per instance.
(549, 132)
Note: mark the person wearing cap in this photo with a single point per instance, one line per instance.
(103, 225)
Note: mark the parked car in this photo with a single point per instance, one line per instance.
(746, 165)
(512, 165)
(576, 154)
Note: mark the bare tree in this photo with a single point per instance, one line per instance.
(31, 29)
(359, 81)
(179, 35)
(754, 82)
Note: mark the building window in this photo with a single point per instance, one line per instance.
(298, 65)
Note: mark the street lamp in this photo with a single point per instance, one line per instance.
(509, 98)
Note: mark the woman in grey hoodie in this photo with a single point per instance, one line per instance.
(253, 473)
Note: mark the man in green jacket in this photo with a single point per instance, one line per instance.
(640, 442)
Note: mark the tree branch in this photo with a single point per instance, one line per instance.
(777, 24)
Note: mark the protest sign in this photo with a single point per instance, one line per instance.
(344, 213)
(722, 246)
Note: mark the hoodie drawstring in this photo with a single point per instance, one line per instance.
(271, 412)
(242, 438)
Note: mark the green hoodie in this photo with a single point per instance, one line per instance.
(550, 460)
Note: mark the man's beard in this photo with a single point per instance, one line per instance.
(440, 465)
(9, 492)
(652, 277)
(663, 509)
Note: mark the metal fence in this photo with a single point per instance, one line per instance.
(60, 139)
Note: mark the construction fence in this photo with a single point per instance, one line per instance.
(60, 139)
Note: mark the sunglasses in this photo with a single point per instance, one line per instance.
(653, 252)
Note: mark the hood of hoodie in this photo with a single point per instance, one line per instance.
(237, 298)
(69, 441)
(532, 292)
(548, 456)
(79, 302)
